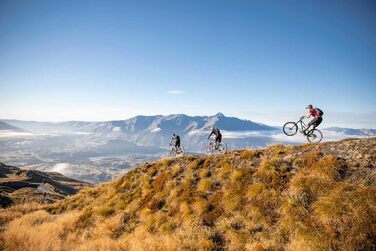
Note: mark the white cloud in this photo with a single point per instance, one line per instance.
(175, 92)
(197, 132)
(11, 134)
(245, 134)
(60, 168)
(155, 130)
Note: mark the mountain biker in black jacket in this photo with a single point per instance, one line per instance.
(218, 136)
(176, 138)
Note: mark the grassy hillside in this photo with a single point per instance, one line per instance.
(18, 186)
(308, 197)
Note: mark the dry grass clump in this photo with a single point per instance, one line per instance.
(249, 154)
(234, 189)
(225, 169)
(160, 180)
(204, 173)
(263, 202)
(197, 163)
(235, 231)
(8, 214)
(164, 162)
(40, 231)
(278, 149)
(106, 211)
(270, 172)
(204, 186)
(193, 236)
(176, 170)
(292, 198)
(328, 168)
(200, 206)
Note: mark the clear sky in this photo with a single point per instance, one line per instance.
(259, 60)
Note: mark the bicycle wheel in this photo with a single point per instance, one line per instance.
(314, 136)
(222, 148)
(172, 153)
(180, 151)
(290, 128)
(209, 149)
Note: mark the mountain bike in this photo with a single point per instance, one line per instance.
(291, 128)
(210, 148)
(177, 151)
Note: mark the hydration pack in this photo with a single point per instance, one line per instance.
(319, 111)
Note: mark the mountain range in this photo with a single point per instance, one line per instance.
(144, 130)
(99, 151)
(155, 131)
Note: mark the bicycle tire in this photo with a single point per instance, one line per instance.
(290, 128)
(223, 148)
(314, 136)
(172, 153)
(209, 149)
(181, 152)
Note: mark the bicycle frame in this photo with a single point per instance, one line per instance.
(176, 149)
(303, 126)
(212, 142)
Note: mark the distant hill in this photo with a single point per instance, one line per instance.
(353, 132)
(6, 127)
(48, 127)
(306, 197)
(19, 186)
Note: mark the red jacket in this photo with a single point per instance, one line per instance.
(314, 113)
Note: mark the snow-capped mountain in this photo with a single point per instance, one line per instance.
(146, 130)
(157, 130)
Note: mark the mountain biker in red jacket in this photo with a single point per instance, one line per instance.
(316, 113)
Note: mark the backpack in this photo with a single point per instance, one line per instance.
(319, 111)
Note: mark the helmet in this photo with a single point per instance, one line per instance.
(174, 134)
(309, 107)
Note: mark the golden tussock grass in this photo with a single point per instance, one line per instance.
(204, 186)
(292, 198)
(249, 154)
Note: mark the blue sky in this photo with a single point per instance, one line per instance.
(260, 60)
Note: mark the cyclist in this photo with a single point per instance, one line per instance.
(218, 136)
(316, 113)
(175, 138)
